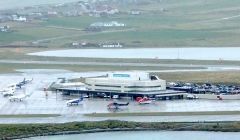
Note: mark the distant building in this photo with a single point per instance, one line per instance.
(75, 44)
(113, 45)
(108, 24)
(19, 18)
(83, 44)
(52, 13)
(60, 5)
(126, 82)
(35, 15)
(135, 12)
(105, 9)
(5, 28)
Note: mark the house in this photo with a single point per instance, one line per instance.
(19, 18)
(135, 12)
(75, 44)
(111, 45)
(105, 9)
(52, 13)
(5, 28)
(107, 24)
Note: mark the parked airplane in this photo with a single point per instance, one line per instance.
(74, 101)
(143, 100)
(115, 97)
(190, 97)
(19, 97)
(24, 82)
(115, 105)
(6, 89)
(9, 91)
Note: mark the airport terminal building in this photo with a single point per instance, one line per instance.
(126, 82)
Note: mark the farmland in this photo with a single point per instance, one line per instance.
(161, 24)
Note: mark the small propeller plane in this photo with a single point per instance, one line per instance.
(144, 100)
(74, 101)
(24, 82)
(9, 91)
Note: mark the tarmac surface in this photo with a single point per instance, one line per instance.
(41, 102)
(185, 53)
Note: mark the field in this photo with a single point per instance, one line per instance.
(16, 131)
(161, 24)
(225, 77)
(170, 23)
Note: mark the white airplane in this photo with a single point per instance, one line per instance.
(74, 101)
(9, 91)
(24, 82)
(19, 97)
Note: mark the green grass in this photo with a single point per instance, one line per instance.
(33, 34)
(163, 114)
(181, 25)
(18, 131)
(189, 23)
(162, 37)
(72, 22)
(13, 37)
(11, 67)
(222, 77)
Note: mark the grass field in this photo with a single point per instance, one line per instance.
(21, 131)
(225, 77)
(162, 24)
(12, 67)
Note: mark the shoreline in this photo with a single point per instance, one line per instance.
(18, 131)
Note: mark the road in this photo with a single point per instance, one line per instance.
(78, 34)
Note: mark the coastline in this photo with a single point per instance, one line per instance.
(17, 131)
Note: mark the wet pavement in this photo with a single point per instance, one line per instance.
(201, 53)
(81, 117)
(55, 103)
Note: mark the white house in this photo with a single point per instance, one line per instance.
(118, 45)
(19, 18)
(4, 28)
(108, 24)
